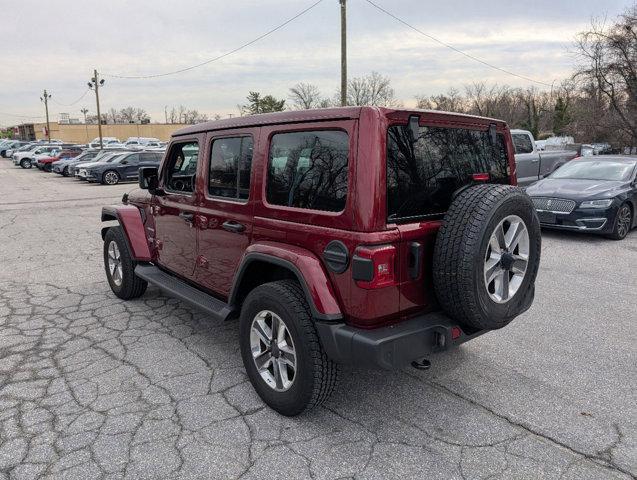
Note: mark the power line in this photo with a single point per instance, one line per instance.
(251, 42)
(20, 116)
(457, 50)
(73, 103)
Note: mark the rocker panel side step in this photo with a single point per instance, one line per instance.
(179, 289)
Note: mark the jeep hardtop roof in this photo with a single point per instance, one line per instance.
(316, 115)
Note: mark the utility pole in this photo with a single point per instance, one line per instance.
(45, 98)
(343, 52)
(85, 111)
(166, 113)
(97, 83)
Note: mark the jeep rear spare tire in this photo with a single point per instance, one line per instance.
(487, 255)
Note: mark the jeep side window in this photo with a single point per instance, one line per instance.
(522, 143)
(422, 177)
(309, 170)
(182, 167)
(230, 165)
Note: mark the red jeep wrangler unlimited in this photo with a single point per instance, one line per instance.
(366, 235)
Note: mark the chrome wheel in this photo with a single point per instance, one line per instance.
(273, 350)
(115, 263)
(506, 259)
(111, 178)
(623, 221)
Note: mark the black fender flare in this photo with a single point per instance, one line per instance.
(251, 257)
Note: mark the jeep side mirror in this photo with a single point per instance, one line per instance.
(149, 180)
(414, 127)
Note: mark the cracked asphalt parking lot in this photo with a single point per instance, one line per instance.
(94, 387)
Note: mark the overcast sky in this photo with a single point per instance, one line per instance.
(56, 44)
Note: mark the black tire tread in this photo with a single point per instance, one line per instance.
(103, 182)
(614, 235)
(460, 235)
(325, 370)
(132, 286)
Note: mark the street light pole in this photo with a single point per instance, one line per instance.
(343, 52)
(97, 83)
(45, 98)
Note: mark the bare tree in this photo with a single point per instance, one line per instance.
(305, 96)
(452, 101)
(113, 116)
(608, 61)
(141, 115)
(373, 89)
(127, 114)
(193, 116)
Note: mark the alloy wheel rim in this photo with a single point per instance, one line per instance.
(623, 221)
(506, 259)
(273, 350)
(115, 263)
(111, 178)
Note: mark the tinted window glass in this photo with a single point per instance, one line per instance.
(131, 159)
(308, 170)
(182, 167)
(149, 157)
(230, 163)
(423, 176)
(522, 143)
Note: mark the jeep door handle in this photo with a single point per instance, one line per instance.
(187, 217)
(232, 226)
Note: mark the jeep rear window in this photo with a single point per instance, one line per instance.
(309, 170)
(422, 176)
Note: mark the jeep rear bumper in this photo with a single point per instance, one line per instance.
(393, 346)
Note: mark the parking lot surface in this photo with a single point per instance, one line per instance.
(94, 387)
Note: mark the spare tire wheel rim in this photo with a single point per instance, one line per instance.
(506, 259)
(273, 350)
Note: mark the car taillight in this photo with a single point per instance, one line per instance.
(374, 267)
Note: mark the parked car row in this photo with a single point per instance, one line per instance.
(140, 143)
(110, 165)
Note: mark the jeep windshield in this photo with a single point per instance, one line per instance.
(423, 175)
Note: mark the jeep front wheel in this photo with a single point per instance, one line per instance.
(487, 255)
(25, 163)
(120, 267)
(281, 351)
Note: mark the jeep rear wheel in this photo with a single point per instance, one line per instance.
(487, 255)
(281, 351)
(120, 267)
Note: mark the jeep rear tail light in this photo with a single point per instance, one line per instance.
(480, 177)
(374, 267)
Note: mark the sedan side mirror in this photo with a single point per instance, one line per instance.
(149, 180)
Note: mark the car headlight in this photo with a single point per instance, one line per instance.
(596, 203)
